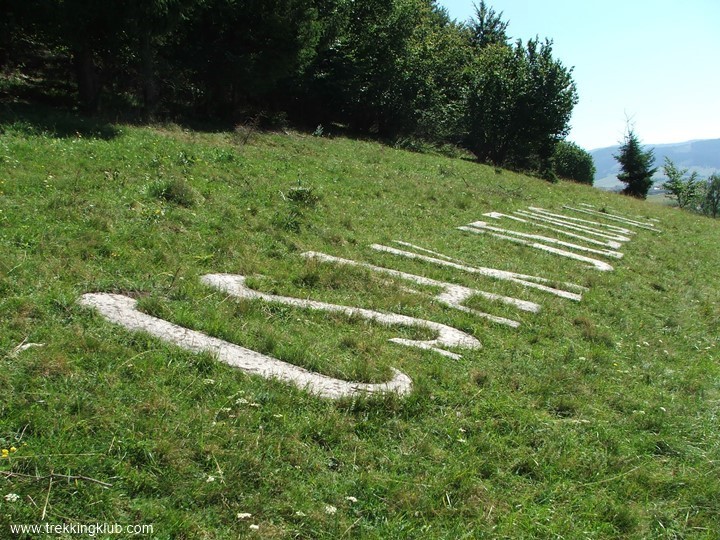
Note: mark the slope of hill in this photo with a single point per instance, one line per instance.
(595, 417)
(702, 156)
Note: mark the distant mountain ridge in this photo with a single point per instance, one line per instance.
(702, 156)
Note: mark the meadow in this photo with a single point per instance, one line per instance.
(592, 419)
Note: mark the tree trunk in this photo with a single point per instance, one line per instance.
(88, 80)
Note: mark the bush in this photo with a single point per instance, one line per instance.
(574, 163)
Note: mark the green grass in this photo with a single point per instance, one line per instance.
(592, 420)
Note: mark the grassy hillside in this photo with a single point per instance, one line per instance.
(593, 419)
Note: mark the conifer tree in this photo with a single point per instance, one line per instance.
(637, 166)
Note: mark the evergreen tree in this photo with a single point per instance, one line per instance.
(637, 166)
(487, 27)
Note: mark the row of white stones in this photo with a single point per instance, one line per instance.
(123, 311)
(536, 241)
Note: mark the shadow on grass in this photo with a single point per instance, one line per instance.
(27, 119)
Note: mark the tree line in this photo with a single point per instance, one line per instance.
(397, 69)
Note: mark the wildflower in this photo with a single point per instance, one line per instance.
(254, 527)
(13, 449)
(330, 509)
(244, 515)
(351, 499)
(300, 514)
(210, 479)
(5, 452)
(12, 497)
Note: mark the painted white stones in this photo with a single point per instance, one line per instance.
(617, 238)
(606, 244)
(594, 263)
(121, 310)
(452, 295)
(533, 282)
(600, 225)
(616, 218)
(547, 239)
(447, 336)
(604, 234)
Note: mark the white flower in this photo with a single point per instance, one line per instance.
(330, 509)
(12, 497)
(210, 479)
(300, 514)
(244, 515)
(254, 527)
(351, 499)
(209, 381)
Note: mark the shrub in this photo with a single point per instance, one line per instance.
(573, 163)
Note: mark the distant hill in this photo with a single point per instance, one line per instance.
(702, 156)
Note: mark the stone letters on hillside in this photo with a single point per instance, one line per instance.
(604, 241)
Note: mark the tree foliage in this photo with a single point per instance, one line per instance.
(636, 165)
(711, 198)
(574, 163)
(684, 191)
(520, 103)
(487, 27)
(392, 68)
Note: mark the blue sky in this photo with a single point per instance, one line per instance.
(656, 62)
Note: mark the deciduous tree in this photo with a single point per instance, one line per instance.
(684, 191)
(519, 105)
